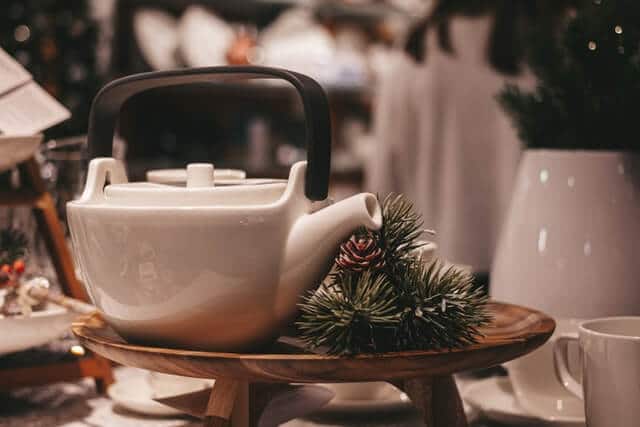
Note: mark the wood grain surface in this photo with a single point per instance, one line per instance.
(515, 331)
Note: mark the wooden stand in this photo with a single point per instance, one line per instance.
(239, 403)
(33, 193)
(245, 383)
(236, 403)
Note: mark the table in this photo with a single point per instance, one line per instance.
(76, 404)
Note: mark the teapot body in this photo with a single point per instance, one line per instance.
(219, 269)
(184, 277)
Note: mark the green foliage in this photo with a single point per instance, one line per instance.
(13, 245)
(405, 305)
(401, 229)
(345, 318)
(588, 78)
(442, 308)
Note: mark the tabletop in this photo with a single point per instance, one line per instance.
(77, 405)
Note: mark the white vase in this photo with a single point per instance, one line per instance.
(570, 244)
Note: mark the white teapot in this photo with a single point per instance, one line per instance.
(201, 266)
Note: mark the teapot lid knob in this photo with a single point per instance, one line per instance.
(200, 175)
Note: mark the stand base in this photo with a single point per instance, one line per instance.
(233, 403)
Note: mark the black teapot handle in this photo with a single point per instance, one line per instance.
(108, 102)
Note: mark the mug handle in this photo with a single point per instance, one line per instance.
(560, 361)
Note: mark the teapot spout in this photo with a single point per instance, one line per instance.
(319, 234)
(314, 239)
(337, 221)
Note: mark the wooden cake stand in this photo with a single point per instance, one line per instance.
(244, 382)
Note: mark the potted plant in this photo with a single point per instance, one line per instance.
(570, 242)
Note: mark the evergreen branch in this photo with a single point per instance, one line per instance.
(345, 319)
(365, 306)
(443, 308)
(401, 228)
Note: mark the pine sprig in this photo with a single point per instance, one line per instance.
(401, 228)
(363, 307)
(443, 308)
(345, 318)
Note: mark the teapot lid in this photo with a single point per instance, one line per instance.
(179, 176)
(200, 187)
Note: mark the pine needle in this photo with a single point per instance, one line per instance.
(444, 309)
(401, 228)
(345, 319)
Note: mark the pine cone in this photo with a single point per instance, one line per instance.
(359, 253)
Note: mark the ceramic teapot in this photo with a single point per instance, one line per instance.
(205, 266)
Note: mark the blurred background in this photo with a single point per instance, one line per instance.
(422, 92)
(73, 48)
(509, 123)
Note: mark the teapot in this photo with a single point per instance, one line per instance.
(204, 266)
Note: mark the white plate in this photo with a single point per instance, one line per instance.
(156, 35)
(203, 37)
(16, 149)
(135, 394)
(23, 332)
(494, 397)
(387, 398)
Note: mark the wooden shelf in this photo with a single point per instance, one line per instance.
(88, 366)
(362, 13)
(334, 9)
(127, 58)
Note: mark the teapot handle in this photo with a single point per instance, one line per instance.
(108, 102)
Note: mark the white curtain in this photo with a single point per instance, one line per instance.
(442, 139)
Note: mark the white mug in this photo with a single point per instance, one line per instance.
(610, 387)
(535, 385)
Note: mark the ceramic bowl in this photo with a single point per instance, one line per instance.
(23, 332)
(16, 149)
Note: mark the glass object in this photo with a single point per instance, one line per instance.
(64, 169)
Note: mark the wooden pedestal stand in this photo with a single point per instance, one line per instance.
(33, 193)
(246, 382)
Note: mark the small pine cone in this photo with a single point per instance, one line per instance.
(359, 253)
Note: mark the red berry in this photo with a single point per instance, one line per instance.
(6, 268)
(18, 266)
